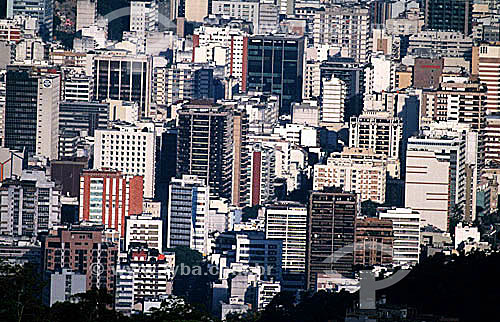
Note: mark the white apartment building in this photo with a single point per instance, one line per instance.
(261, 110)
(30, 205)
(78, 87)
(356, 170)
(381, 75)
(47, 139)
(346, 27)
(312, 80)
(465, 234)
(124, 288)
(403, 26)
(187, 216)
(266, 290)
(143, 273)
(379, 131)
(143, 16)
(2, 105)
(440, 44)
(333, 97)
(244, 10)
(406, 230)
(306, 113)
(129, 149)
(287, 221)
(222, 46)
(144, 229)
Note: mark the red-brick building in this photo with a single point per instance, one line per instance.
(82, 249)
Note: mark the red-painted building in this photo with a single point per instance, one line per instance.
(108, 196)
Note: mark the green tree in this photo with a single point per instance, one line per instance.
(21, 295)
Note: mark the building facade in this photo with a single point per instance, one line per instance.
(82, 249)
(29, 205)
(107, 197)
(330, 234)
(205, 146)
(406, 230)
(373, 242)
(187, 216)
(122, 77)
(33, 93)
(357, 170)
(129, 149)
(277, 71)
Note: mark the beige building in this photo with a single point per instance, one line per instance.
(196, 10)
(489, 74)
(357, 170)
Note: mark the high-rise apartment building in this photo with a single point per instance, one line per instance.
(287, 221)
(447, 15)
(146, 229)
(205, 145)
(241, 159)
(107, 197)
(462, 102)
(345, 69)
(380, 132)
(458, 102)
(345, 27)
(121, 77)
(373, 242)
(268, 18)
(244, 10)
(262, 162)
(86, 11)
(225, 46)
(360, 171)
(142, 273)
(251, 248)
(3, 76)
(187, 216)
(275, 66)
(78, 87)
(129, 149)
(333, 96)
(83, 250)
(62, 285)
(29, 205)
(432, 43)
(406, 231)
(492, 139)
(436, 176)
(185, 82)
(143, 16)
(330, 234)
(42, 10)
(34, 93)
(489, 74)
